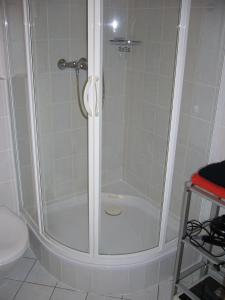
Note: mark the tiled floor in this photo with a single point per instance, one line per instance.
(30, 281)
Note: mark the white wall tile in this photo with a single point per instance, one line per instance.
(40, 52)
(6, 166)
(58, 49)
(9, 195)
(58, 19)
(5, 142)
(39, 16)
(170, 25)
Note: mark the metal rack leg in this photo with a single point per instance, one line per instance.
(182, 232)
(214, 212)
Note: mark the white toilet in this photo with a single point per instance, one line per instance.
(13, 240)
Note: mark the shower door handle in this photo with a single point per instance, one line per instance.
(85, 96)
(97, 99)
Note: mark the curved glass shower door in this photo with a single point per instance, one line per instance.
(139, 53)
(59, 31)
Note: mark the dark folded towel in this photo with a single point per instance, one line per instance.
(214, 173)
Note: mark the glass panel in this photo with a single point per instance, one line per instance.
(139, 48)
(59, 32)
(20, 103)
(205, 54)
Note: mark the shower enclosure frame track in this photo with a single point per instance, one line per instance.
(94, 147)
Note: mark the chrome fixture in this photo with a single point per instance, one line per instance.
(77, 65)
(124, 45)
(80, 64)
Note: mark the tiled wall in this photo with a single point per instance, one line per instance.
(19, 104)
(59, 31)
(148, 94)
(139, 82)
(205, 54)
(62, 129)
(217, 151)
(114, 69)
(16, 84)
(7, 171)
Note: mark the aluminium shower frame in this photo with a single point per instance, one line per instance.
(95, 27)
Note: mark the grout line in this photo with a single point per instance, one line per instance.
(30, 258)
(33, 283)
(52, 292)
(34, 263)
(22, 282)
(18, 290)
(25, 276)
(68, 289)
(40, 284)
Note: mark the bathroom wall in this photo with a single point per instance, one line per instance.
(149, 83)
(59, 31)
(205, 54)
(8, 190)
(19, 104)
(146, 95)
(7, 171)
(14, 95)
(62, 128)
(114, 69)
(217, 151)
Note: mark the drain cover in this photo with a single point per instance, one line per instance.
(113, 211)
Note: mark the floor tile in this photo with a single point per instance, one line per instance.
(8, 289)
(97, 297)
(40, 276)
(30, 291)
(65, 286)
(61, 294)
(29, 254)
(21, 269)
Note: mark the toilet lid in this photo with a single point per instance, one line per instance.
(13, 236)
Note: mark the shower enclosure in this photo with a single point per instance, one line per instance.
(96, 90)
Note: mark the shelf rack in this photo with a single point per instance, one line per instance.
(206, 259)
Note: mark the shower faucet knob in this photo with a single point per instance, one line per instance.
(61, 64)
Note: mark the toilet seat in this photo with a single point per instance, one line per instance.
(13, 236)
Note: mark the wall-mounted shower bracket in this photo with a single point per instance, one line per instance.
(124, 45)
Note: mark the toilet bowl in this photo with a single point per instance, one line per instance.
(13, 240)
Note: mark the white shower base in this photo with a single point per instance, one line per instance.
(135, 229)
(123, 266)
